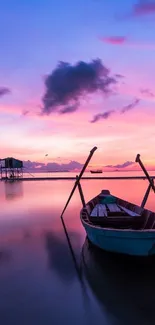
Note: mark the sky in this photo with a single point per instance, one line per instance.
(74, 75)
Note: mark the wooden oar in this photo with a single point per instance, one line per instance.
(79, 177)
(145, 172)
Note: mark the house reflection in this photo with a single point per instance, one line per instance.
(13, 189)
(59, 256)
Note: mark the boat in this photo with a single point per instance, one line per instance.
(120, 284)
(116, 225)
(97, 171)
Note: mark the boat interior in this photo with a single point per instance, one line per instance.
(108, 211)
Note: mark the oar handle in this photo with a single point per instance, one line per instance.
(79, 177)
(145, 171)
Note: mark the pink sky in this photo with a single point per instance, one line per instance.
(125, 46)
(118, 138)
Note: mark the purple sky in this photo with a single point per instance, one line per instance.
(35, 36)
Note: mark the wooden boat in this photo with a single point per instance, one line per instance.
(116, 225)
(97, 171)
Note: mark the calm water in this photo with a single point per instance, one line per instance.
(39, 283)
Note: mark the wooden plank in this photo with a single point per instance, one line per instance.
(113, 207)
(102, 211)
(94, 212)
(99, 211)
(131, 213)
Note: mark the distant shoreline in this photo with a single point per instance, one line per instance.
(67, 171)
(74, 178)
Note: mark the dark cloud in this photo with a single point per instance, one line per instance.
(4, 91)
(147, 92)
(101, 116)
(124, 165)
(69, 109)
(130, 106)
(68, 84)
(114, 40)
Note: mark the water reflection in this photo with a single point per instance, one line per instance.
(124, 286)
(13, 190)
(42, 269)
(5, 256)
(59, 257)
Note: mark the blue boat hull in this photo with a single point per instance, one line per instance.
(130, 242)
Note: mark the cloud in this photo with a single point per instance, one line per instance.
(117, 75)
(26, 112)
(124, 165)
(114, 40)
(101, 116)
(122, 40)
(33, 166)
(143, 8)
(69, 109)
(130, 106)
(147, 92)
(4, 91)
(68, 84)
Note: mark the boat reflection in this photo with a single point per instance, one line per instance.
(124, 286)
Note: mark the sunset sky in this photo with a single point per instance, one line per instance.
(112, 105)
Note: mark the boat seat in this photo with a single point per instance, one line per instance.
(113, 215)
(102, 210)
(149, 220)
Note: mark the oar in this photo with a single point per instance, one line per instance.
(78, 179)
(145, 171)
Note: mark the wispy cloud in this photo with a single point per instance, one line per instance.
(25, 112)
(124, 41)
(120, 76)
(130, 106)
(124, 165)
(101, 116)
(67, 84)
(114, 40)
(69, 109)
(140, 9)
(4, 91)
(143, 8)
(147, 92)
